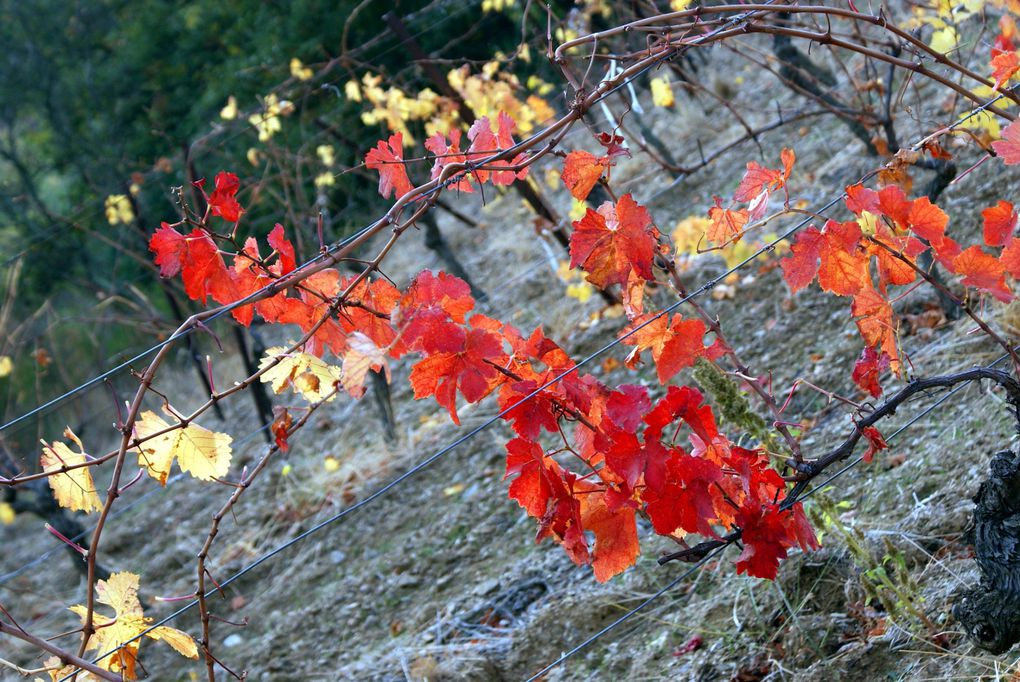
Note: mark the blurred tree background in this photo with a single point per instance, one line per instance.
(109, 109)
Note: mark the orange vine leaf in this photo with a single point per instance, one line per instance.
(388, 158)
(613, 241)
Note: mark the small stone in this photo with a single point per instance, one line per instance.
(337, 557)
(407, 580)
(232, 640)
(485, 587)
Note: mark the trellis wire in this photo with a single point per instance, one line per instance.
(808, 493)
(379, 493)
(120, 510)
(456, 443)
(478, 429)
(666, 56)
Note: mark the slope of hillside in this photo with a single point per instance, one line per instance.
(441, 579)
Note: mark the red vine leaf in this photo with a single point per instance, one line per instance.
(282, 421)
(1008, 148)
(388, 158)
(982, 271)
(868, 369)
(610, 243)
(758, 179)
(581, 170)
(447, 153)
(469, 370)
(1000, 222)
(844, 267)
(875, 322)
(1010, 257)
(432, 311)
(767, 535)
(485, 143)
(801, 266)
(168, 244)
(727, 224)
(531, 488)
(203, 270)
(929, 222)
(674, 344)
(223, 201)
(685, 500)
(284, 248)
(875, 442)
(616, 541)
(1004, 65)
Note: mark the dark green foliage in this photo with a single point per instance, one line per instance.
(96, 96)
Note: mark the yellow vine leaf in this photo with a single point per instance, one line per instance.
(299, 70)
(362, 355)
(539, 86)
(577, 286)
(326, 154)
(202, 453)
(120, 593)
(73, 489)
(944, 39)
(662, 93)
(578, 209)
(7, 514)
(306, 374)
(984, 123)
(497, 5)
(267, 122)
(868, 222)
(6, 366)
(229, 112)
(495, 90)
(565, 35)
(352, 91)
(118, 209)
(689, 233)
(56, 671)
(552, 178)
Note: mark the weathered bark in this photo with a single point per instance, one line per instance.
(990, 613)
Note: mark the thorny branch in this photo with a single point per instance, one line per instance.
(425, 195)
(809, 470)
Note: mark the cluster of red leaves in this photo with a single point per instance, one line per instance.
(630, 450)
(862, 258)
(617, 244)
(388, 157)
(630, 445)
(538, 387)
(755, 189)
(206, 274)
